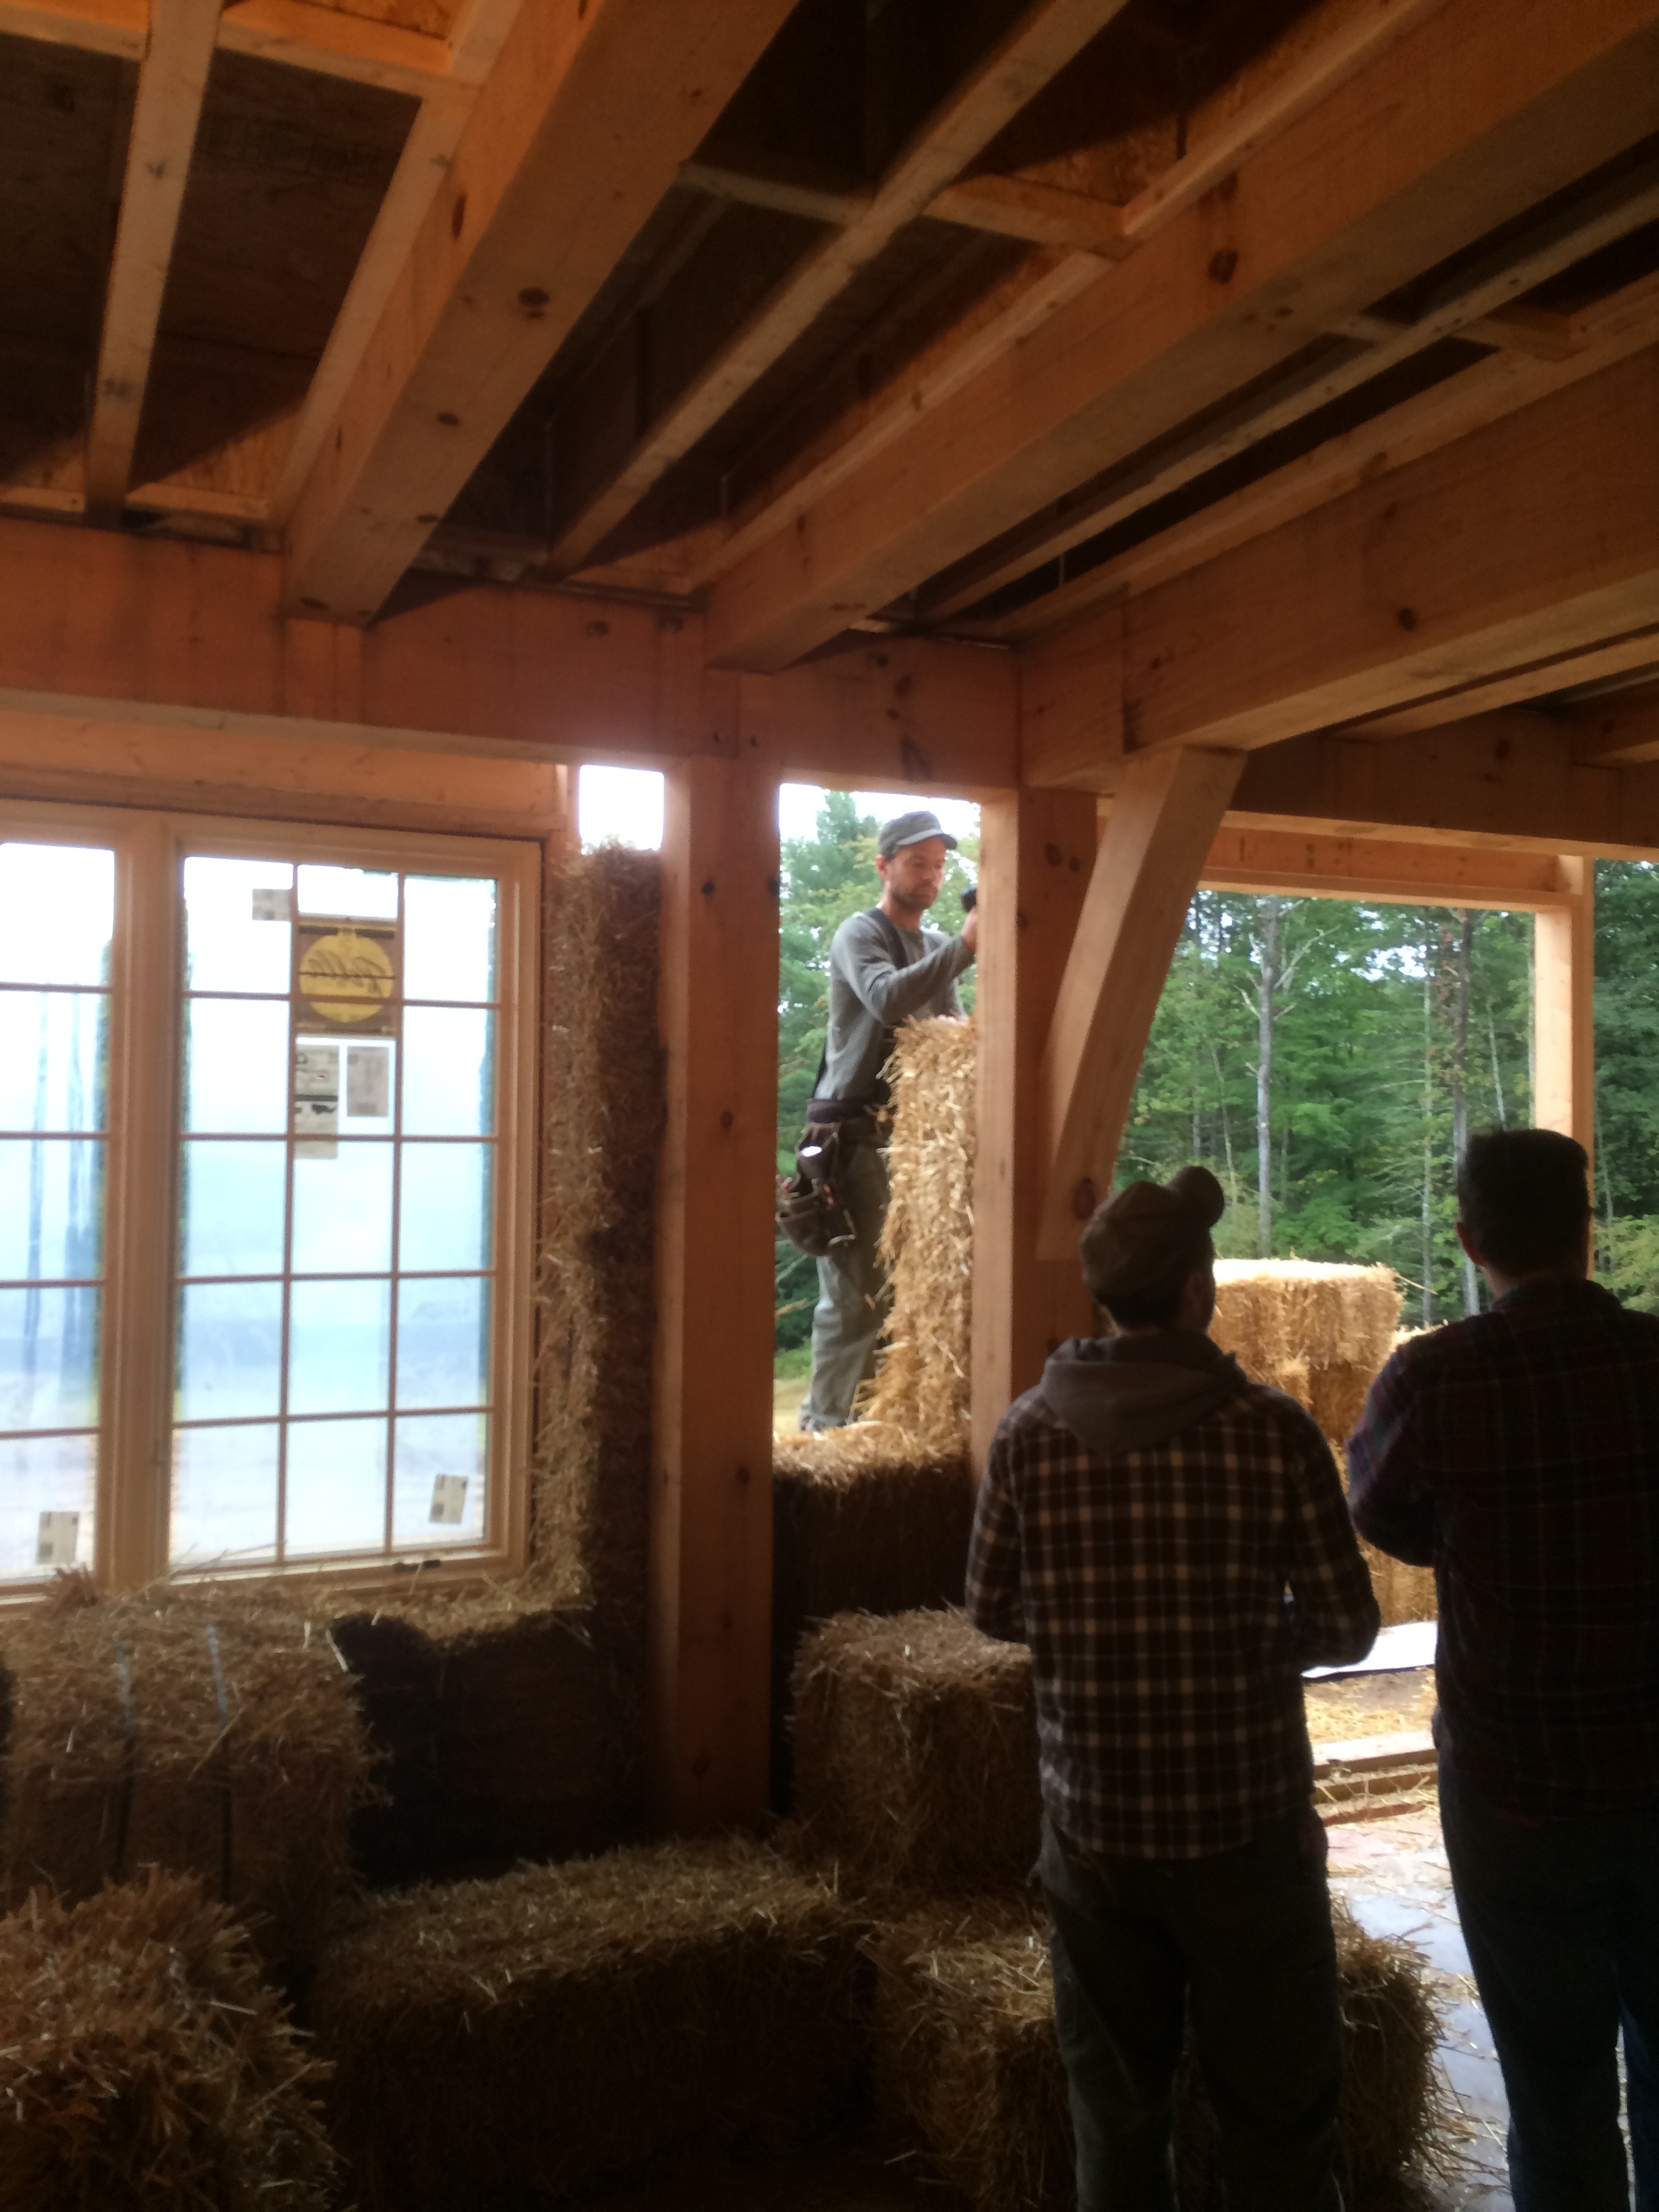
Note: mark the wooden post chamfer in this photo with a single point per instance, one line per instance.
(1563, 1010)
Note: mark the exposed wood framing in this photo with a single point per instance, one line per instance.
(96, 626)
(1617, 327)
(303, 34)
(1530, 542)
(1330, 217)
(543, 196)
(1037, 849)
(711, 1491)
(1563, 1012)
(171, 82)
(1043, 42)
(1384, 870)
(1621, 730)
(1163, 819)
(1506, 780)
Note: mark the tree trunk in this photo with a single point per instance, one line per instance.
(1496, 1077)
(1267, 981)
(1458, 1073)
(1226, 1127)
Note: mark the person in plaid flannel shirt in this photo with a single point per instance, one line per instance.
(1517, 1453)
(1172, 1542)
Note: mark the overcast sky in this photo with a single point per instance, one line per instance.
(626, 803)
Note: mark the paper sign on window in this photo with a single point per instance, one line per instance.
(448, 1497)
(368, 1082)
(316, 1101)
(348, 975)
(58, 1537)
(272, 905)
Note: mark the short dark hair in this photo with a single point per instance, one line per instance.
(1523, 1196)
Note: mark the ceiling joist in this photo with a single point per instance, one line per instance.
(1331, 216)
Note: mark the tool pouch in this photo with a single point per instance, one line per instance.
(808, 1212)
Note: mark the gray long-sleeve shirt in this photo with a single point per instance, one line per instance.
(869, 995)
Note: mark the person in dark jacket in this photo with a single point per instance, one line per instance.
(1171, 1540)
(1517, 1453)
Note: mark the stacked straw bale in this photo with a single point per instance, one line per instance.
(970, 2075)
(144, 2067)
(916, 1749)
(506, 1736)
(498, 2042)
(596, 1289)
(1323, 1334)
(920, 1392)
(212, 1732)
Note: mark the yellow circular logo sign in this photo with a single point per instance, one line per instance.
(346, 977)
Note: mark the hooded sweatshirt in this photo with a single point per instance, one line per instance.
(1172, 1540)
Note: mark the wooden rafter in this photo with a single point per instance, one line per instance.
(1528, 546)
(171, 83)
(1333, 215)
(1390, 871)
(1621, 730)
(543, 196)
(1500, 385)
(301, 33)
(1046, 37)
(1472, 307)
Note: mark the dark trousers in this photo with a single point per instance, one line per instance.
(1562, 1922)
(1243, 1941)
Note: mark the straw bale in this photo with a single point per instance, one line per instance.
(915, 1748)
(1319, 1333)
(969, 2071)
(207, 1731)
(857, 1527)
(144, 2065)
(596, 1289)
(927, 1243)
(498, 2041)
(506, 1739)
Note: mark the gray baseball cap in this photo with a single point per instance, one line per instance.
(911, 829)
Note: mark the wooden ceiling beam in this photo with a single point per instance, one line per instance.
(1044, 39)
(299, 33)
(103, 626)
(1511, 779)
(1500, 385)
(1518, 552)
(1618, 731)
(542, 198)
(1335, 213)
(171, 84)
(1391, 871)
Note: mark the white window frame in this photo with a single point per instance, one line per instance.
(143, 1112)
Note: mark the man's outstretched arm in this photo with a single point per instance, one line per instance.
(892, 994)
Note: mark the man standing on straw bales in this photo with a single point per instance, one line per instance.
(1171, 1540)
(884, 968)
(1518, 1452)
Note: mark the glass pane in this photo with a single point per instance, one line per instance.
(230, 1349)
(339, 1348)
(51, 1209)
(365, 894)
(230, 1208)
(448, 1072)
(42, 1476)
(449, 937)
(224, 1495)
(57, 910)
(53, 1047)
(343, 1212)
(236, 1071)
(443, 1340)
(444, 1207)
(236, 924)
(450, 1445)
(335, 1486)
(48, 1359)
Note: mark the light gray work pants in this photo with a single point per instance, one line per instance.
(854, 1296)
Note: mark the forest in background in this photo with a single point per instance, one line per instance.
(1349, 1047)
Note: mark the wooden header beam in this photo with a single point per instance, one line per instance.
(99, 627)
(1387, 871)
(1345, 205)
